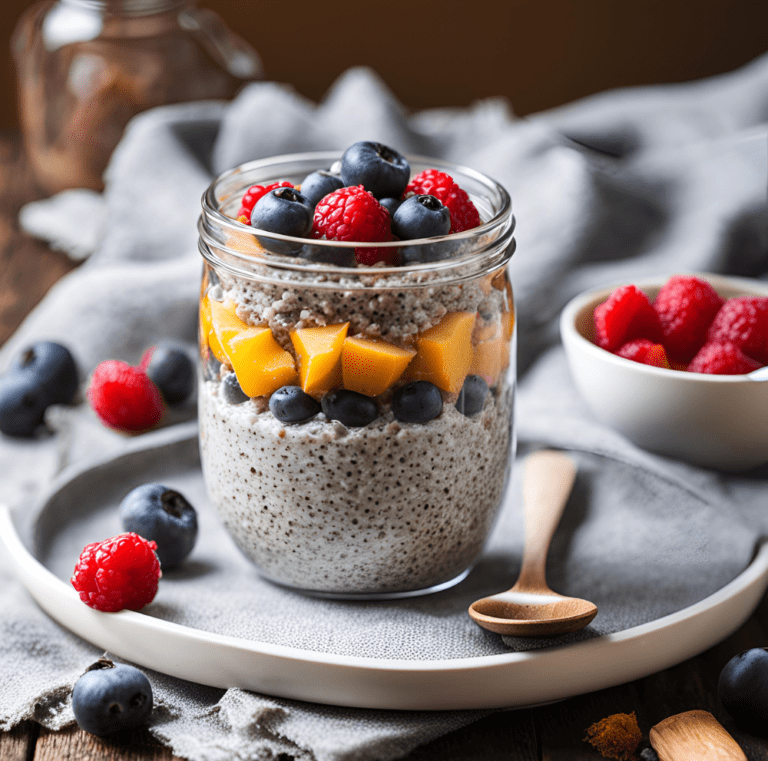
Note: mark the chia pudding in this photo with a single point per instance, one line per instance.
(399, 502)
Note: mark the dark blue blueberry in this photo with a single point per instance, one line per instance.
(53, 370)
(232, 391)
(290, 404)
(743, 690)
(284, 211)
(417, 402)
(472, 395)
(421, 217)
(380, 170)
(161, 515)
(22, 404)
(391, 205)
(173, 372)
(338, 256)
(319, 184)
(111, 697)
(211, 367)
(350, 408)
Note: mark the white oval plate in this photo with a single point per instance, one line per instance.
(514, 679)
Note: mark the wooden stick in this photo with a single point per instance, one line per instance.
(694, 735)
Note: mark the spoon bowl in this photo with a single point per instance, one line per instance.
(530, 608)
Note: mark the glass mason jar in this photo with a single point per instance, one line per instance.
(379, 506)
(86, 67)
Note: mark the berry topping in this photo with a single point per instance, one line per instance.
(337, 256)
(124, 397)
(421, 217)
(353, 214)
(117, 573)
(417, 402)
(349, 407)
(164, 516)
(170, 368)
(379, 169)
(464, 215)
(390, 204)
(284, 211)
(472, 395)
(52, 368)
(743, 322)
(318, 185)
(722, 359)
(686, 307)
(290, 404)
(232, 391)
(644, 351)
(625, 316)
(743, 690)
(22, 405)
(111, 697)
(252, 196)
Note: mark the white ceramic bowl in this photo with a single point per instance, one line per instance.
(718, 421)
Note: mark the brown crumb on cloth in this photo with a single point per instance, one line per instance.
(616, 736)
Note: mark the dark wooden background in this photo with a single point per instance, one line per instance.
(538, 53)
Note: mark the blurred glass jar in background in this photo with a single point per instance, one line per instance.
(86, 67)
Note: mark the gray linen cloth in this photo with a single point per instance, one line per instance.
(616, 187)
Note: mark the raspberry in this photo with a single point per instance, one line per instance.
(464, 215)
(117, 573)
(353, 214)
(686, 306)
(743, 322)
(124, 397)
(625, 316)
(722, 359)
(253, 194)
(644, 351)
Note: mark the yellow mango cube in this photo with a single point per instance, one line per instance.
(489, 359)
(260, 363)
(445, 352)
(371, 366)
(319, 351)
(209, 307)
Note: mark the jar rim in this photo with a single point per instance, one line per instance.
(501, 224)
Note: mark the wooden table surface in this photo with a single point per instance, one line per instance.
(552, 733)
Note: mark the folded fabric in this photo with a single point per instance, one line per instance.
(613, 188)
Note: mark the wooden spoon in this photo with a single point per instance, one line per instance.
(694, 735)
(531, 608)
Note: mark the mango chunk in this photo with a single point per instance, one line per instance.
(319, 351)
(208, 326)
(225, 324)
(370, 366)
(260, 363)
(488, 359)
(507, 324)
(445, 352)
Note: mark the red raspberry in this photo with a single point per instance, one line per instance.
(353, 214)
(252, 196)
(722, 359)
(686, 306)
(625, 316)
(120, 572)
(644, 351)
(464, 215)
(743, 322)
(124, 397)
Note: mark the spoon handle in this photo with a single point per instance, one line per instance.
(547, 483)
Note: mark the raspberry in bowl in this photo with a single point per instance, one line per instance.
(666, 363)
(357, 384)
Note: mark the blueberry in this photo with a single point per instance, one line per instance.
(290, 404)
(22, 404)
(232, 391)
(318, 185)
(111, 697)
(211, 367)
(421, 216)
(53, 369)
(743, 690)
(349, 407)
(390, 204)
(172, 371)
(162, 515)
(284, 211)
(472, 395)
(338, 256)
(417, 402)
(380, 170)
